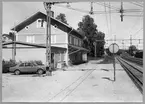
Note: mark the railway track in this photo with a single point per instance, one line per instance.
(135, 72)
(60, 96)
(138, 61)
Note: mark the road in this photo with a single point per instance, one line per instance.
(89, 82)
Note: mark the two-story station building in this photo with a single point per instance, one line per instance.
(66, 42)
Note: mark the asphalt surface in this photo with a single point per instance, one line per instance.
(88, 82)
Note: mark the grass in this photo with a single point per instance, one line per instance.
(107, 60)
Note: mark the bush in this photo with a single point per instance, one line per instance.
(38, 62)
(6, 65)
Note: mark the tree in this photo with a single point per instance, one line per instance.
(62, 18)
(9, 36)
(100, 44)
(88, 28)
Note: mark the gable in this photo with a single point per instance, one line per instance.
(33, 29)
(62, 26)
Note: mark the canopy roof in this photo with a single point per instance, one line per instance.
(33, 45)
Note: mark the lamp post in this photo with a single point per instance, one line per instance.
(47, 6)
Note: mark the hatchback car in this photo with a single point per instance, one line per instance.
(27, 67)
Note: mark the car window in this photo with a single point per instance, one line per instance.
(28, 64)
(34, 64)
(22, 65)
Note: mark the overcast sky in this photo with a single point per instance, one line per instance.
(16, 12)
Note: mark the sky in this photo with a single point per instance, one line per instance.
(110, 24)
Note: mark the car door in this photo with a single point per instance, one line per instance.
(29, 67)
(33, 67)
(22, 67)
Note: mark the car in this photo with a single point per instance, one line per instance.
(27, 67)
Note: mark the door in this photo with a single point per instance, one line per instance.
(22, 67)
(29, 67)
(52, 60)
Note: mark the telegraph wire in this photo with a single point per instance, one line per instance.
(136, 4)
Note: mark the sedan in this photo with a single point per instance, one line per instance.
(27, 68)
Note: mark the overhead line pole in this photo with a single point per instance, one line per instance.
(47, 6)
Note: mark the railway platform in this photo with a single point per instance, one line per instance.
(88, 82)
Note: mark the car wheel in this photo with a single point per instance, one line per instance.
(17, 72)
(40, 71)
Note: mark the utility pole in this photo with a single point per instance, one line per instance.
(95, 49)
(123, 44)
(130, 40)
(13, 35)
(47, 6)
(114, 38)
(121, 11)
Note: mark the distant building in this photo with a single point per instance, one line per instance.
(66, 42)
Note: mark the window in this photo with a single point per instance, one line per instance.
(30, 39)
(70, 39)
(80, 43)
(77, 42)
(53, 38)
(28, 64)
(22, 65)
(74, 41)
(16, 37)
(40, 23)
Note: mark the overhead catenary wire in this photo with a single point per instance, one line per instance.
(106, 5)
(136, 4)
(84, 11)
(133, 25)
(116, 10)
(137, 32)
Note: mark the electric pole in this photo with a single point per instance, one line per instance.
(114, 38)
(47, 6)
(123, 44)
(130, 40)
(121, 11)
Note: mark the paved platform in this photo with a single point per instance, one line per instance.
(65, 86)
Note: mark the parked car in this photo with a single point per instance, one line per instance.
(27, 67)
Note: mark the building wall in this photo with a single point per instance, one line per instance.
(40, 34)
(59, 39)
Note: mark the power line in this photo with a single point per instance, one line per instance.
(101, 12)
(134, 24)
(136, 4)
(133, 15)
(106, 5)
(137, 32)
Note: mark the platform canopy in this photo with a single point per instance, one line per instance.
(53, 48)
(74, 49)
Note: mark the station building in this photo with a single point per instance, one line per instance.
(66, 42)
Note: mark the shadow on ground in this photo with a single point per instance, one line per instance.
(107, 78)
(104, 69)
